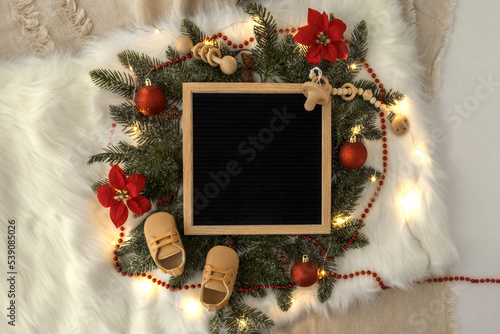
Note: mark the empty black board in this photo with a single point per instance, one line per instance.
(256, 160)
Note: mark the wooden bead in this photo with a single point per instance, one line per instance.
(228, 65)
(183, 44)
(373, 100)
(399, 125)
(378, 104)
(360, 91)
(367, 95)
(334, 91)
(344, 91)
(383, 107)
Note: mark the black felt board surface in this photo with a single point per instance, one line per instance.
(256, 160)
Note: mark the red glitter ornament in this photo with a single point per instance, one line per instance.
(304, 273)
(353, 155)
(150, 99)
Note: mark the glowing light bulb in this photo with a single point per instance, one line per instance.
(192, 307)
(114, 243)
(357, 129)
(131, 68)
(157, 31)
(373, 178)
(418, 156)
(207, 42)
(410, 202)
(353, 66)
(339, 220)
(135, 128)
(242, 324)
(292, 301)
(145, 286)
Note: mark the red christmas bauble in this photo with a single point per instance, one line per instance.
(304, 272)
(353, 155)
(150, 100)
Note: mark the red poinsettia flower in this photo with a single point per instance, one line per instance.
(323, 37)
(121, 190)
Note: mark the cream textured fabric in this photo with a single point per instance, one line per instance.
(43, 26)
(424, 309)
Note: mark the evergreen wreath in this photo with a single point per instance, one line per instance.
(157, 154)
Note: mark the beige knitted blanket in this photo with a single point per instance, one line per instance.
(46, 26)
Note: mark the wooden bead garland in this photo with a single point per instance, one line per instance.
(207, 53)
(399, 123)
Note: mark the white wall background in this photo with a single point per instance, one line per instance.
(469, 115)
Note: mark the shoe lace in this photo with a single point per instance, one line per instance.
(209, 271)
(164, 239)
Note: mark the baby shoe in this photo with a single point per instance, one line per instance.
(164, 243)
(218, 277)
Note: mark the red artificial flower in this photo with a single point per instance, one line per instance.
(323, 38)
(120, 190)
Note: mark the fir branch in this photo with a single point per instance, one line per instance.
(284, 298)
(293, 66)
(120, 83)
(216, 322)
(325, 288)
(192, 30)
(206, 72)
(171, 79)
(348, 186)
(359, 41)
(140, 63)
(344, 234)
(254, 320)
(134, 255)
(391, 97)
(266, 35)
(337, 73)
(123, 152)
(172, 53)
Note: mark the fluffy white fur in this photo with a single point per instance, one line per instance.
(53, 118)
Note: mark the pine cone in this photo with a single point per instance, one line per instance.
(166, 199)
(248, 61)
(246, 75)
(229, 241)
(171, 113)
(283, 258)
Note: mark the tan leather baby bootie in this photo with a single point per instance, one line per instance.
(218, 277)
(165, 243)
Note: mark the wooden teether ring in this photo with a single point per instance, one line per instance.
(204, 51)
(354, 91)
(197, 49)
(211, 53)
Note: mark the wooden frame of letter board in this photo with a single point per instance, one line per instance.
(187, 130)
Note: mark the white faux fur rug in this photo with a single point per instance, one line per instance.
(52, 118)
